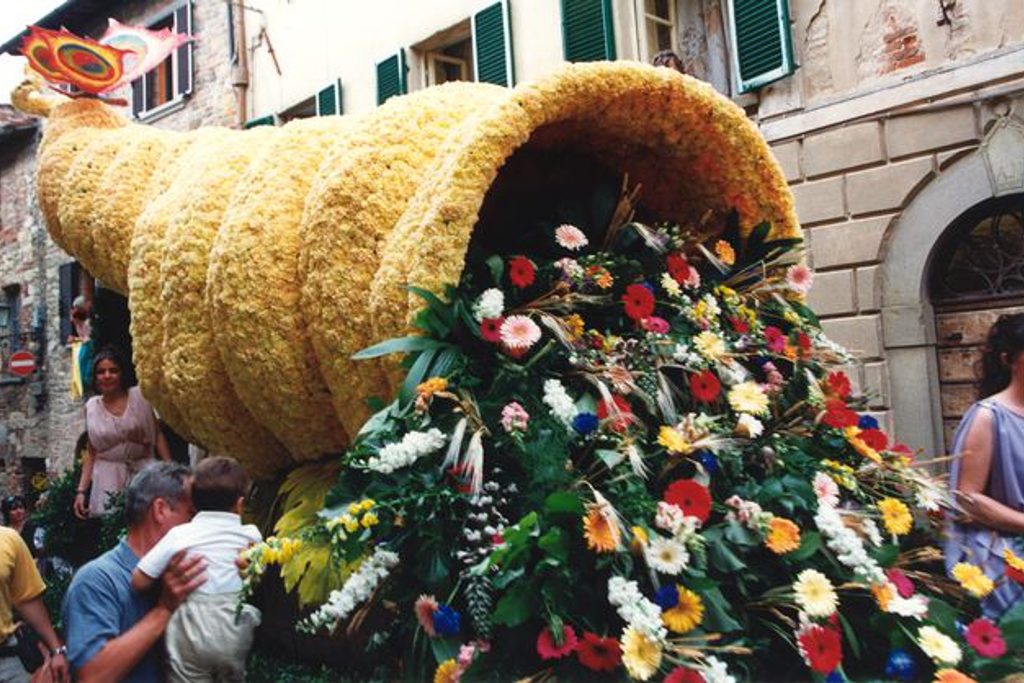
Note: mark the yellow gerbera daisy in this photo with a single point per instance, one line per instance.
(671, 439)
(814, 593)
(576, 326)
(895, 516)
(783, 536)
(710, 345)
(748, 397)
(447, 672)
(641, 654)
(973, 579)
(601, 530)
(687, 613)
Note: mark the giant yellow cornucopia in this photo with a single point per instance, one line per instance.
(257, 262)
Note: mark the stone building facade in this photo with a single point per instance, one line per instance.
(39, 422)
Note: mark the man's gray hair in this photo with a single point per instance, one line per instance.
(158, 480)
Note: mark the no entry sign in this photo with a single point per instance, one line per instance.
(22, 363)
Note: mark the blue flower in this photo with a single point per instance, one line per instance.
(585, 423)
(901, 666)
(667, 597)
(867, 422)
(649, 286)
(835, 677)
(708, 460)
(446, 621)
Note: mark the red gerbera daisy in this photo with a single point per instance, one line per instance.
(624, 417)
(690, 497)
(986, 638)
(521, 272)
(597, 653)
(546, 647)
(821, 647)
(681, 674)
(490, 329)
(875, 438)
(679, 268)
(741, 327)
(638, 302)
(838, 415)
(774, 339)
(804, 342)
(838, 383)
(705, 386)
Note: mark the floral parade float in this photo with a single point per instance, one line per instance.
(545, 355)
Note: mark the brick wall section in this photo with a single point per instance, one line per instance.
(47, 427)
(850, 185)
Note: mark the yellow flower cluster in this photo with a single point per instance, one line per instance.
(258, 262)
(356, 515)
(895, 516)
(278, 550)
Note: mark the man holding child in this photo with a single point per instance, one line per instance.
(115, 631)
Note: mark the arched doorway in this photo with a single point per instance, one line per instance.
(975, 275)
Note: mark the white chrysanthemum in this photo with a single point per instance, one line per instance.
(519, 332)
(814, 593)
(914, 607)
(748, 427)
(570, 237)
(666, 555)
(669, 284)
(872, 532)
(634, 608)
(826, 489)
(937, 645)
(558, 400)
(847, 546)
(413, 446)
(929, 497)
(491, 304)
(715, 671)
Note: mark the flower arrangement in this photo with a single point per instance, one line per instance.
(631, 451)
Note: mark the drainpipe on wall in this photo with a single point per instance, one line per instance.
(240, 69)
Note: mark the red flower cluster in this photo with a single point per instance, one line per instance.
(597, 653)
(625, 413)
(638, 302)
(705, 386)
(838, 414)
(821, 647)
(679, 268)
(740, 326)
(690, 497)
(774, 339)
(521, 272)
(875, 438)
(838, 384)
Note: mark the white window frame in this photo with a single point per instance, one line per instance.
(642, 19)
(178, 101)
(431, 61)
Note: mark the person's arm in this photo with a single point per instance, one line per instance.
(140, 582)
(81, 504)
(34, 612)
(975, 469)
(163, 450)
(122, 654)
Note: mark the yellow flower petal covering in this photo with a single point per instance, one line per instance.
(253, 292)
(363, 189)
(393, 203)
(194, 377)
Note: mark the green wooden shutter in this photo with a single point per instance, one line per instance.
(587, 33)
(261, 121)
(328, 100)
(492, 45)
(762, 50)
(391, 78)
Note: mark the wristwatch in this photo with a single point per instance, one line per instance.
(59, 650)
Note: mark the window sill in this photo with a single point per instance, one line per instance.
(157, 113)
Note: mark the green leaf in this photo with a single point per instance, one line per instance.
(444, 648)
(521, 530)
(517, 605)
(497, 268)
(724, 559)
(943, 615)
(610, 458)
(563, 502)
(717, 616)
(555, 543)
(442, 309)
(397, 345)
(851, 635)
(887, 554)
(740, 535)
(417, 373)
(810, 543)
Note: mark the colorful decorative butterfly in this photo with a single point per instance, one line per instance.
(123, 54)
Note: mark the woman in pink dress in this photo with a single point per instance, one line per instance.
(123, 436)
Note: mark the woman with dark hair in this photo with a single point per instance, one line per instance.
(987, 477)
(16, 517)
(123, 435)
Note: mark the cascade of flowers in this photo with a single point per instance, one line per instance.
(628, 450)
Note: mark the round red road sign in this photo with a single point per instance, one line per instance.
(22, 363)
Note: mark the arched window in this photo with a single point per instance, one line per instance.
(981, 256)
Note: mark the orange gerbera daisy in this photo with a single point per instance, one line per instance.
(952, 676)
(601, 529)
(783, 536)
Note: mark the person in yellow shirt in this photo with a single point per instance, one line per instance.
(21, 589)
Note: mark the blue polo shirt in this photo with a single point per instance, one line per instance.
(100, 605)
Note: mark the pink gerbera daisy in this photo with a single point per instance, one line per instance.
(425, 607)
(799, 278)
(519, 333)
(546, 647)
(986, 638)
(570, 237)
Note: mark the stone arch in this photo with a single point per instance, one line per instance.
(908, 320)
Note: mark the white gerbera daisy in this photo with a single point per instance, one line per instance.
(570, 237)
(667, 555)
(519, 332)
(814, 593)
(826, 489)
(937, 645)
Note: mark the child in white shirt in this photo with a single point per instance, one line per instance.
(204, 642)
